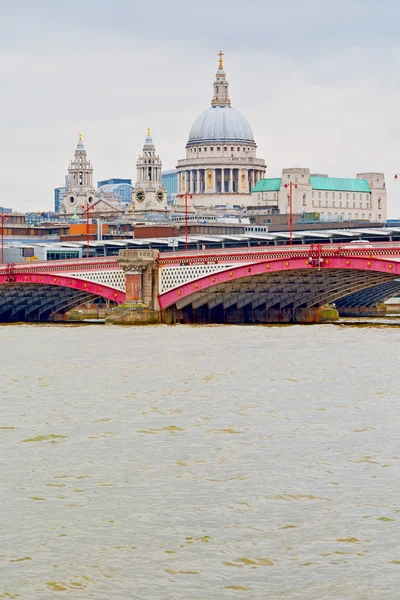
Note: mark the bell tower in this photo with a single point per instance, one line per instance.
(148, 193)
(80, 190)
(221, 85)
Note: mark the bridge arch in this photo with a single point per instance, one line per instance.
(293, 282)
(36, 296)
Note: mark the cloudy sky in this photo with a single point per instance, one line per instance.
(318, 81)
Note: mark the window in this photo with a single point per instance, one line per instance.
(340, 205)
(354, 204)
(360, 204)
(333, 203)
(211, 149)
(238, 149)
(333, 196)
(258, 196)
(199, 149)
(347, 196)
(304, 200)
(205, 149)
(312, 202)
(313, 194)
(218, 148)
(319, 202)
(326, 203)
(379, 216)
(232, 148)
(244, 149)
(379, 203)
(340, 196)
(326, 195)
(347, 205)
(225, 148)
(354, 196)
(319, 195)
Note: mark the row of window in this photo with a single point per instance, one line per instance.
(367, 206)
(342, 216)
(340, 195)
(264, 196)
(232, 148)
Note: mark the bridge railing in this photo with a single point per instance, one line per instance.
(52, 266)
(255, 254)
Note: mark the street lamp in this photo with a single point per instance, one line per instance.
(3, 216)
(291, 186)
(86, 208)
(186, 196)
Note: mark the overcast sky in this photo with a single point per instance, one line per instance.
(319, 83)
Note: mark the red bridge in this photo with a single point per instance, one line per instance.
(282, 284)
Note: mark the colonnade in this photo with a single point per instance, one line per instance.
(218, 180)
(143, 173)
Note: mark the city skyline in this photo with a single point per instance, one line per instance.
(319, 96)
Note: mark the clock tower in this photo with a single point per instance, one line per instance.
(148, 193)
(80, 191)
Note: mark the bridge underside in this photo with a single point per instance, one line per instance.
(33, 302)
(280, 296)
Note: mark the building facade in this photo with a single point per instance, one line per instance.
(330, 198)
(170, 183)
(118, 191)
(221, 166)
(59, 198)
(80, 191)
(148, 193)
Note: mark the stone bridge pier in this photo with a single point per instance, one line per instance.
(141, 274)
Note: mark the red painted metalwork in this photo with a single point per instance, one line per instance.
(86, 208)
(186, 196)
(98, 289)
(252, 254)
(335, 261)
(3, 216)
(291, 210)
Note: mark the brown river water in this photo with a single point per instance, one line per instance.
(190, 463)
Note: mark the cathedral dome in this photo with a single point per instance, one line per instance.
(221, 124)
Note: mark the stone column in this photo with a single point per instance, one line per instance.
(231, 180)
(222, 180)
(134, 263)
(191, 181)
(198, 181)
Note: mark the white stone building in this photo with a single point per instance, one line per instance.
(331, 198)
(149, 194)
(221, 166)
(79, 186)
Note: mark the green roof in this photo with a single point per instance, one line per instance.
(338, 184)
(272, 184)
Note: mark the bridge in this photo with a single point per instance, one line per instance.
(284, 284)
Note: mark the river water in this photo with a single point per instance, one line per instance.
(208, 463)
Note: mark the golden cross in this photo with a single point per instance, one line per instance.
(221, 63)
(148, 131)
(80, 137)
